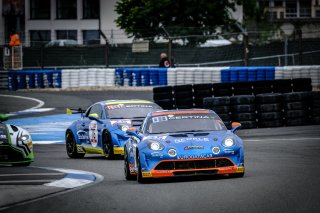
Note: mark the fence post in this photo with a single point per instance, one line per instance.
(246, 48)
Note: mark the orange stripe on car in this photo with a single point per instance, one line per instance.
(181, 112)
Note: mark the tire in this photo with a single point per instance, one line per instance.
(291, 114)
(159, 96)
(295, 105)
(220, 109)
(315, 104)
(296, 121)
(242, 99)
(165, 89)
(315, 95)
(295, 96)
(107, 145)
(222, 92)
(315, 120)
(242, 91)
(140, 179)
(165, 103)
(71, 146)
(184, 94)
(197, 87)
(182, 88)
(315, 112)
(269, 107)
(269, 116)
(244, 117)
(202, 93)
(127, 173)
(301, 84)
(260, 87)
(216, 101)
(184, 102)
(21, 164)
(273, 123)
(248, 124)
(269, 98)
(224, 116)
(243, 108)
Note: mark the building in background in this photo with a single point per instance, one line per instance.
(303, 15)
(41, 21)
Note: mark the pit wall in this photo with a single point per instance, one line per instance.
(108, 77)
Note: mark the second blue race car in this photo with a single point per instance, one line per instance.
(102, 128)
(175, 143)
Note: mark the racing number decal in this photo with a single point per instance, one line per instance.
(93, 133)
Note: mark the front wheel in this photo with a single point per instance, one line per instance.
(140, 179)
(107, 146)
(127, 173)
(72, 147)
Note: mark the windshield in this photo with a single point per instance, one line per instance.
(184, 123)
(129, 110)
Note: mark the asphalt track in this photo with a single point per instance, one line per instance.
(282, 171)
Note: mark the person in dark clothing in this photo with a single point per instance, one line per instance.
(164, 61)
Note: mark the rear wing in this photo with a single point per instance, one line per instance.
(75, 111)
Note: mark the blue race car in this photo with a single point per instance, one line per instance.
(102, 128)
(175, 143)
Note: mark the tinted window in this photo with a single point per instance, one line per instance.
(96, 109)
(66, 9)
(40, 9)
(184, 123)
(67, 34)
(39, 37)
(91, 9)
(119, 111)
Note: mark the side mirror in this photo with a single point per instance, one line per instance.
(3, 117)
(133, 133)
(235, 126)
(95, 117)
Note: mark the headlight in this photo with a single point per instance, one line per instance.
(228, 142)
(124, 128)
(172, 152)
(155, 146)
(24, 138)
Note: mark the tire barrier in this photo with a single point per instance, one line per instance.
(183, 96)
(74, 78)
(141, 76)
(262, 76)
(296, 108)
(29, 79)
(315, 107)
(163, 96)
(243, 110)
(269, 109)
(201, 91)
(235, 74)
(221, 105)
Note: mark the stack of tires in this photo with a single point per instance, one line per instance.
(270, 110)
(183, 96)
(221, 106)
(315, 107)
(201, 91)
(222, 89)
(243, 110)
(296, 108)
(163, 96)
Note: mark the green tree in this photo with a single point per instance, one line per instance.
(153, 18)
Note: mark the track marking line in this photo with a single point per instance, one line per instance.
(280, 139)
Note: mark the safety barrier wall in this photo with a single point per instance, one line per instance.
(28, 79)
(74, 78)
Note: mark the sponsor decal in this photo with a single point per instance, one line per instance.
(82, 135)
(138, 106)
(80, 149)
(157, 154)
(240, 169)
(146, 174)
(193, 147)
(163, 137)
(228, 151)
(182, 140)
(115, 106)
(179, 117)
(185, 157)
(93, 133)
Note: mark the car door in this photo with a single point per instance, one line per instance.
(92, 125)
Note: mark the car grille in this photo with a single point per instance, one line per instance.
(194, 164)
(8, 154)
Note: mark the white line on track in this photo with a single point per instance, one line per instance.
(36, 108)
(281, 139)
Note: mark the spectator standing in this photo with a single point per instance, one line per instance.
(164, 61)
(14, 40)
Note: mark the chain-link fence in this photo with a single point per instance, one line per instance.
(226, 49)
